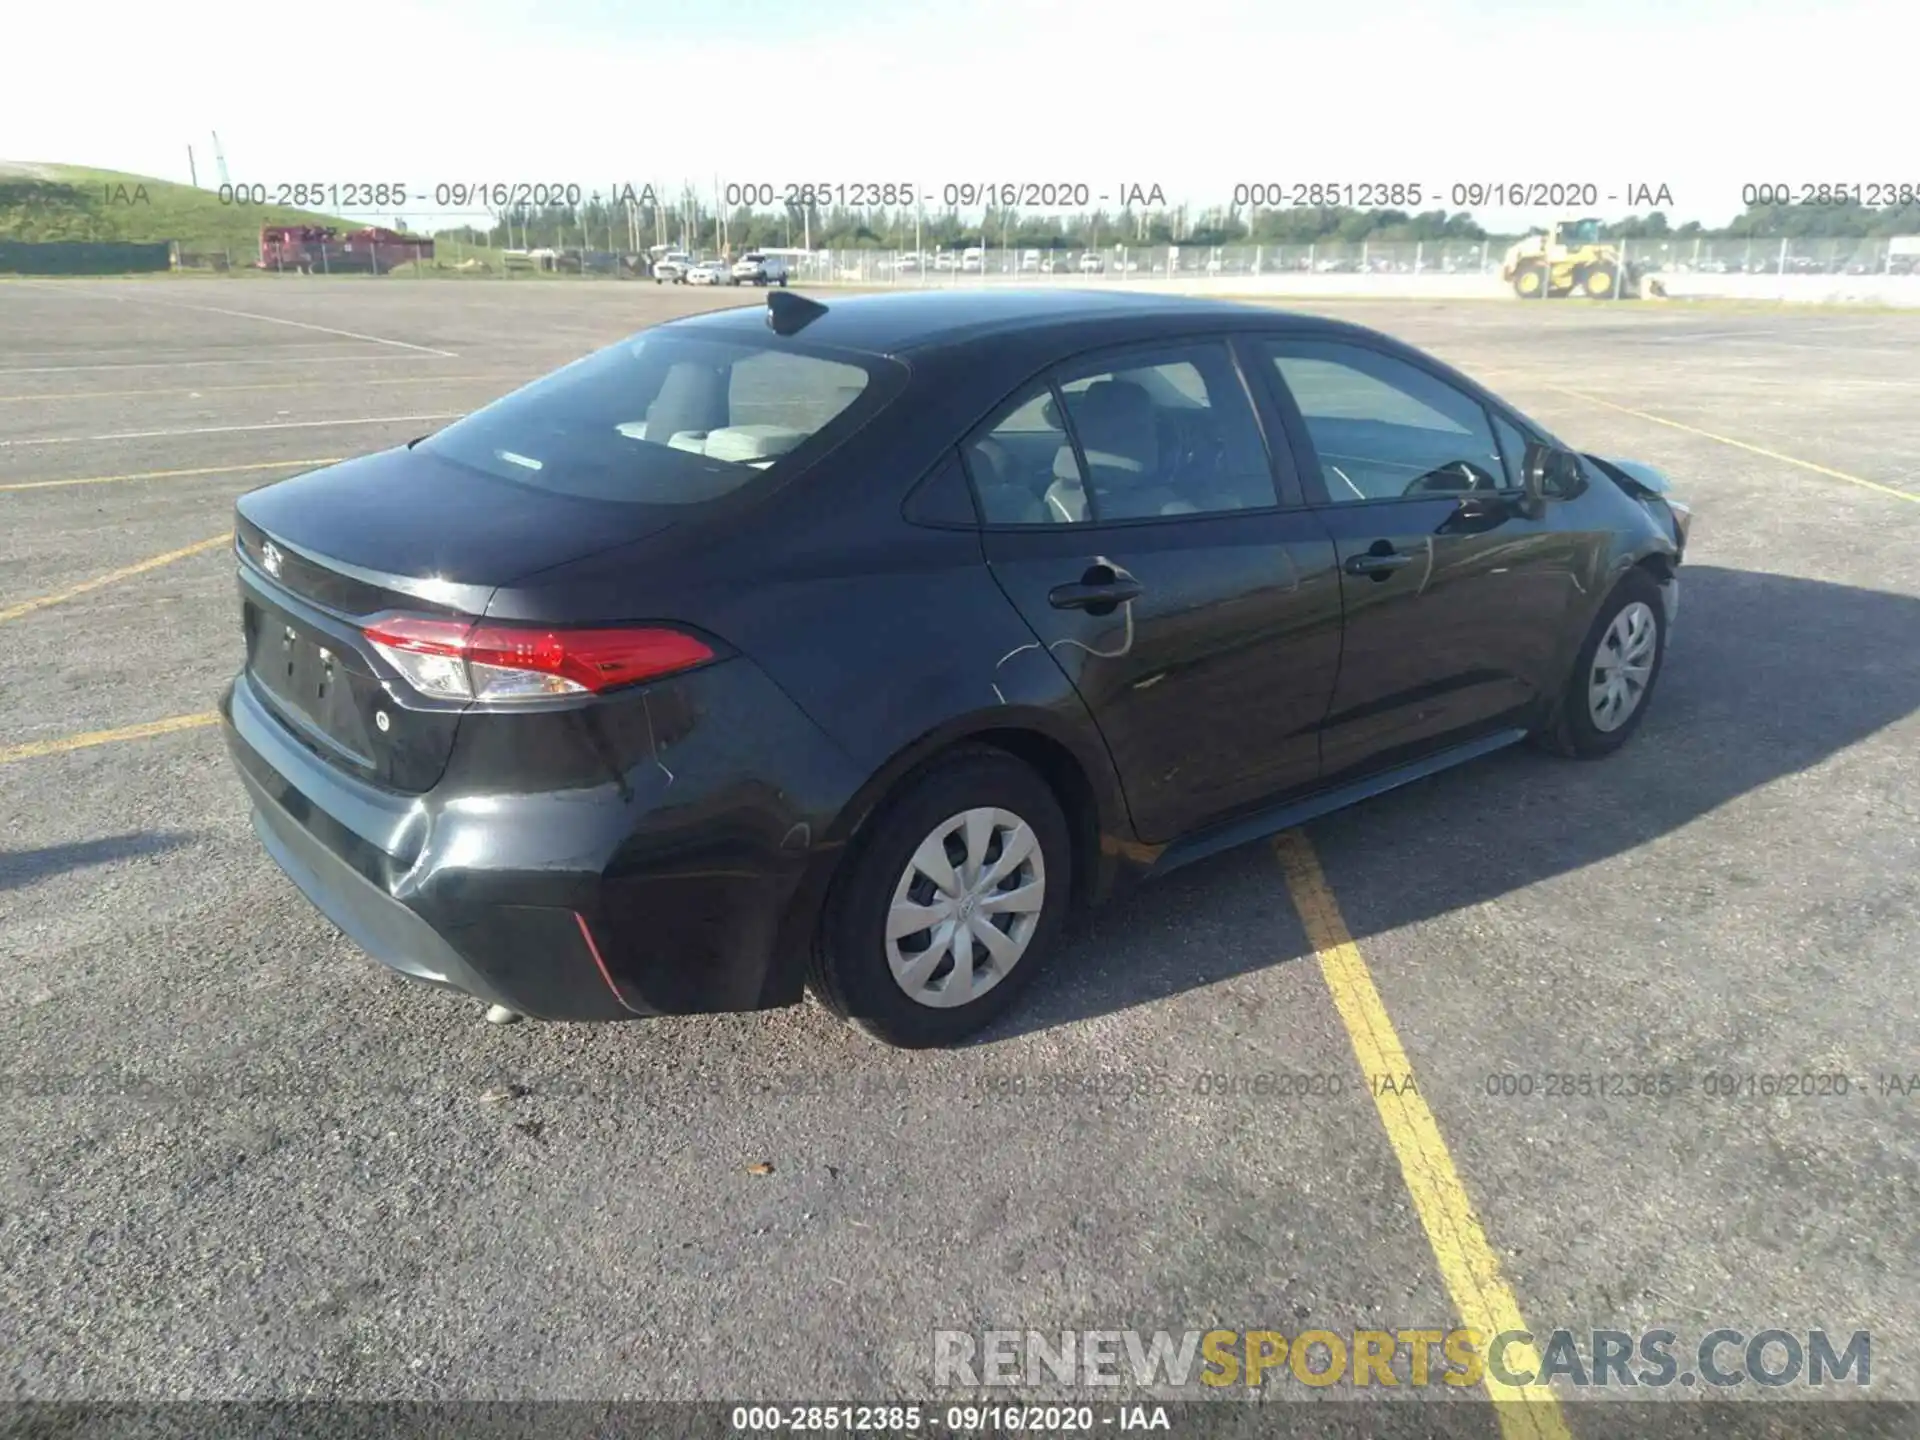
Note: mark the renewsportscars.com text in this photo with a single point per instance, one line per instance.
(1458, 1358)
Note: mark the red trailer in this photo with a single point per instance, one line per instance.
(322, 250)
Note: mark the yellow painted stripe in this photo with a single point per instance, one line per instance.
(106, 737)
(1826, 470)
(1467, 1263)
(172, 474)
(126, 572)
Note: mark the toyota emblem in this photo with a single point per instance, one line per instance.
(271, 557)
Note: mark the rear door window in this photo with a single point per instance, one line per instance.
(1169, 432)
(1126, 436)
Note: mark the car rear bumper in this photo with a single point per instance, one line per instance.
(570, 901)
(356, 854)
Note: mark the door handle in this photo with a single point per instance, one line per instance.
(1100, 589)
(1377, 564)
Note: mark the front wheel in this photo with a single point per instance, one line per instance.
(1614, 673)
(949, 905)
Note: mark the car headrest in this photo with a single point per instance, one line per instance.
(691, 397)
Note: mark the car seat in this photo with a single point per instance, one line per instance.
(1003, 499)
(1119, 434)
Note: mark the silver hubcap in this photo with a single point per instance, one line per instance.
(1622, 666)
(965, 910)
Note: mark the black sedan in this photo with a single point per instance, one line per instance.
(855, 645)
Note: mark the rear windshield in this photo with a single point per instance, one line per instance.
(668, 420)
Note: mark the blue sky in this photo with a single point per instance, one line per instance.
(1192, 95)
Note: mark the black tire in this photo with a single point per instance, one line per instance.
(1572, 731)
(848, 969)
(1530, 281)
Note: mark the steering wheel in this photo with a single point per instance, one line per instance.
(1455, 477)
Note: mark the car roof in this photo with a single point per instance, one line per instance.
(919, 320)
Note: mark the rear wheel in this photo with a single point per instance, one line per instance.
(1614, 674)
(949, 905)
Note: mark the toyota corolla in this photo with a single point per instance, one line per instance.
(854, 646)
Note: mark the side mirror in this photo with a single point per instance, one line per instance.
(1550, 473)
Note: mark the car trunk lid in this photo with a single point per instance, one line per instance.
(404, 532)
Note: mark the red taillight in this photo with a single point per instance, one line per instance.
(465, 660)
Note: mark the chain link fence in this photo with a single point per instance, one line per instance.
(1720, 257)
(870, 265)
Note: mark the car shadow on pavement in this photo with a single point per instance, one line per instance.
(1766, 676)
(21, 868)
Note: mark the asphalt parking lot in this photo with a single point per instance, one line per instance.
(243, 1161)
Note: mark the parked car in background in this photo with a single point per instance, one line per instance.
(709, 272)
(1030, 260)
(672, 266)
(753, 268)
(1091, 264)
(614, 698)
(972, 258)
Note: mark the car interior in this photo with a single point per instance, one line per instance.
(1382, 430)
(1380, 460)
(1151, 448)
(732, 412)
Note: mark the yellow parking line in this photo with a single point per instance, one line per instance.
(1467, 1262)
(170, 474)
(27, 607)
(106, 737)
(1738, 444)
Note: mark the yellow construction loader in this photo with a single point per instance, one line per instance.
(1570, 258)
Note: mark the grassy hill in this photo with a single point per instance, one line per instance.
(71, 202)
